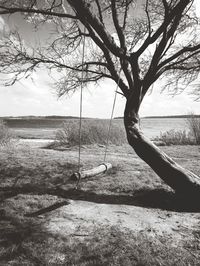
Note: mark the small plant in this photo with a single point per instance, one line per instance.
(183, 137)
(92, 132)
(174, 137)
(194, 126)
(5, 134)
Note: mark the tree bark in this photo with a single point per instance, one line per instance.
(182, 181)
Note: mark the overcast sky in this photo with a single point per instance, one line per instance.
(36, 96)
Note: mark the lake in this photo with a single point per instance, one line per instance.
(46, 128)
(153, 126)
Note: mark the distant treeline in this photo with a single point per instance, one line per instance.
(76, 117)
(167, 116)
(173, 116)
(39, 117)
(38, 121)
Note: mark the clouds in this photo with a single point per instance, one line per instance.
(30, 98)
(38, 98)
(158, 104)
(197, 4)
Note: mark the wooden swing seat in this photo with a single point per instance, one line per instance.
(102, 168)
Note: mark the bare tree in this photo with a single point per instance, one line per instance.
(145, 40)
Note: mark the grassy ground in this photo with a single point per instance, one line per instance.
(127, 216)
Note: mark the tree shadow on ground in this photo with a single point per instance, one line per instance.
(166, 200)
(147, 198)
(25, 241)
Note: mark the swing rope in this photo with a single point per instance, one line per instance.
(80, 113)
(81, 104)
(111, 118)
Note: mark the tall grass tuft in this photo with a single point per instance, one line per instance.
(174, 137)
(5, 134)
(194, 126)
(92, 132)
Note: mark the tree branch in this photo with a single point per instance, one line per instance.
(179, 8)
(148, 18)
(179, 53)
(117, 26)
(12, 10)
(110, 64)
(84, 13)
(99, 10)
(153, 68)
(121, 36)
(125, 14)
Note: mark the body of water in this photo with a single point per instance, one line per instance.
(152, 127)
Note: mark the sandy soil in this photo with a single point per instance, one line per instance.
(82, 216)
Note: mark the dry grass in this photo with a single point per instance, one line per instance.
(174, 137)
(29, 181)
(121, 248)
(5, 134)
(26, 241)
(92, 131)
(194, 126)
(178, 137)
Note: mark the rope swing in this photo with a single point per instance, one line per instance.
(81, 104)
(111, 117)
(103, 167)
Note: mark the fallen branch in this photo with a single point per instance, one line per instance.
(47, 209)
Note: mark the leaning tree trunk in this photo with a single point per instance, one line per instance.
(179, 179)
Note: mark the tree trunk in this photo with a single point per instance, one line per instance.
(179, 179)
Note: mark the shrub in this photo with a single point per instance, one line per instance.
(194, 126)
(5, 134)
(174, 137)
(92, 131)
